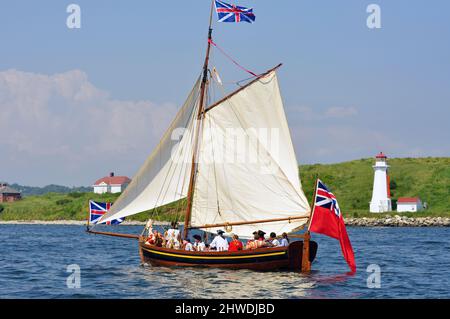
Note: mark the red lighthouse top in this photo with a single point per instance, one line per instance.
(381, 155)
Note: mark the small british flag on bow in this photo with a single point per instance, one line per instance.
(97, 210)
(232, 13)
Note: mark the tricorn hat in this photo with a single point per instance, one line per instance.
(220, 232)
(198, 237)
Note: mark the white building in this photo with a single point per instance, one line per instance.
(381, 194)
(111, 184)
(409, 204)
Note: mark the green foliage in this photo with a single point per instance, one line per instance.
(74, 206)
(63, 201)
(75, 195)
(428, 178)
(52, 206)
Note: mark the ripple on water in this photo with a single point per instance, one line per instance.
(414, 264)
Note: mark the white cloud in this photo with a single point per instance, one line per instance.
(62, 129)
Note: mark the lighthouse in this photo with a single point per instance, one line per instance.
(381, 194)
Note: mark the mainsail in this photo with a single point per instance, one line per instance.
(164, 177)
(247, 167)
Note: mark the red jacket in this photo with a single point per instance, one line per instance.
(235, 245)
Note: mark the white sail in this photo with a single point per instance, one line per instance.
(247, 167)
(164, 177)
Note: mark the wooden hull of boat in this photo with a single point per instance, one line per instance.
(263, 259)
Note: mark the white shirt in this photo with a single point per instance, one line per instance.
(275, 242)
(200, 246)
(284, 242)
(173, 233)
(189, 247)
(172, 238)
(220, 243)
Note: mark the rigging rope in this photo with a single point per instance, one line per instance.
(231, 59)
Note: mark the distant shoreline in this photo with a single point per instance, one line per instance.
(399, 221)
(389, 221)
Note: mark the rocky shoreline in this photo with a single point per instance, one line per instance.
(388, 221)
(399, 221)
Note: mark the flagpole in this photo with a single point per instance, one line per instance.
(200, 115)
(89, 215)
(313, 206)
(306, 264)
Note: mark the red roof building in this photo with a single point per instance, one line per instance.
(409, 204)
(8, 194)
(111, 184)
(408, 200)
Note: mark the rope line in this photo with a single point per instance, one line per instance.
(231, 59)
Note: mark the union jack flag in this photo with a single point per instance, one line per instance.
(327, 219)
(232, 13)
(97, 210)
(326, 199)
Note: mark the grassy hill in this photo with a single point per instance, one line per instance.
(74, 206)
(351, 182)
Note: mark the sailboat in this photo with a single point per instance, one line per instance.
(225, 185)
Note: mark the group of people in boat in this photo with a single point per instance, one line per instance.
(172, 239)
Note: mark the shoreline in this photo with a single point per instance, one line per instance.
(399, 221)
(388, 221)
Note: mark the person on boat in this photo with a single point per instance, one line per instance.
(251, 244)
(284, 240)
(149, 226)
(159, 239)
(235, 244)
(199, 245)
(187, 245)
(261, 241)
(150, 234)
(219, 242)
(172, 236)
(273, 241)
(151, 239)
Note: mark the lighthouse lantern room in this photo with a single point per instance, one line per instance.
(381, 194)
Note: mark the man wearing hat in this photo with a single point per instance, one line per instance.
(219, 242)
(251, 243)
(199, 245)
(261, 241)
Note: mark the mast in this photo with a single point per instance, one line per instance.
(200, 116)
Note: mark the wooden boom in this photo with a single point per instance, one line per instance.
(261, 221)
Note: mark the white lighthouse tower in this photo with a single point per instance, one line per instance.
(381, 195)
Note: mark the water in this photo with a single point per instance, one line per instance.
(414, 263)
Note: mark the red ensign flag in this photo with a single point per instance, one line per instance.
(327, 220)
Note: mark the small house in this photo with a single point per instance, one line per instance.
(111, 184)
(409, 204)
(8, 194)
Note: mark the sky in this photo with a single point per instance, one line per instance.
(76, 104)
